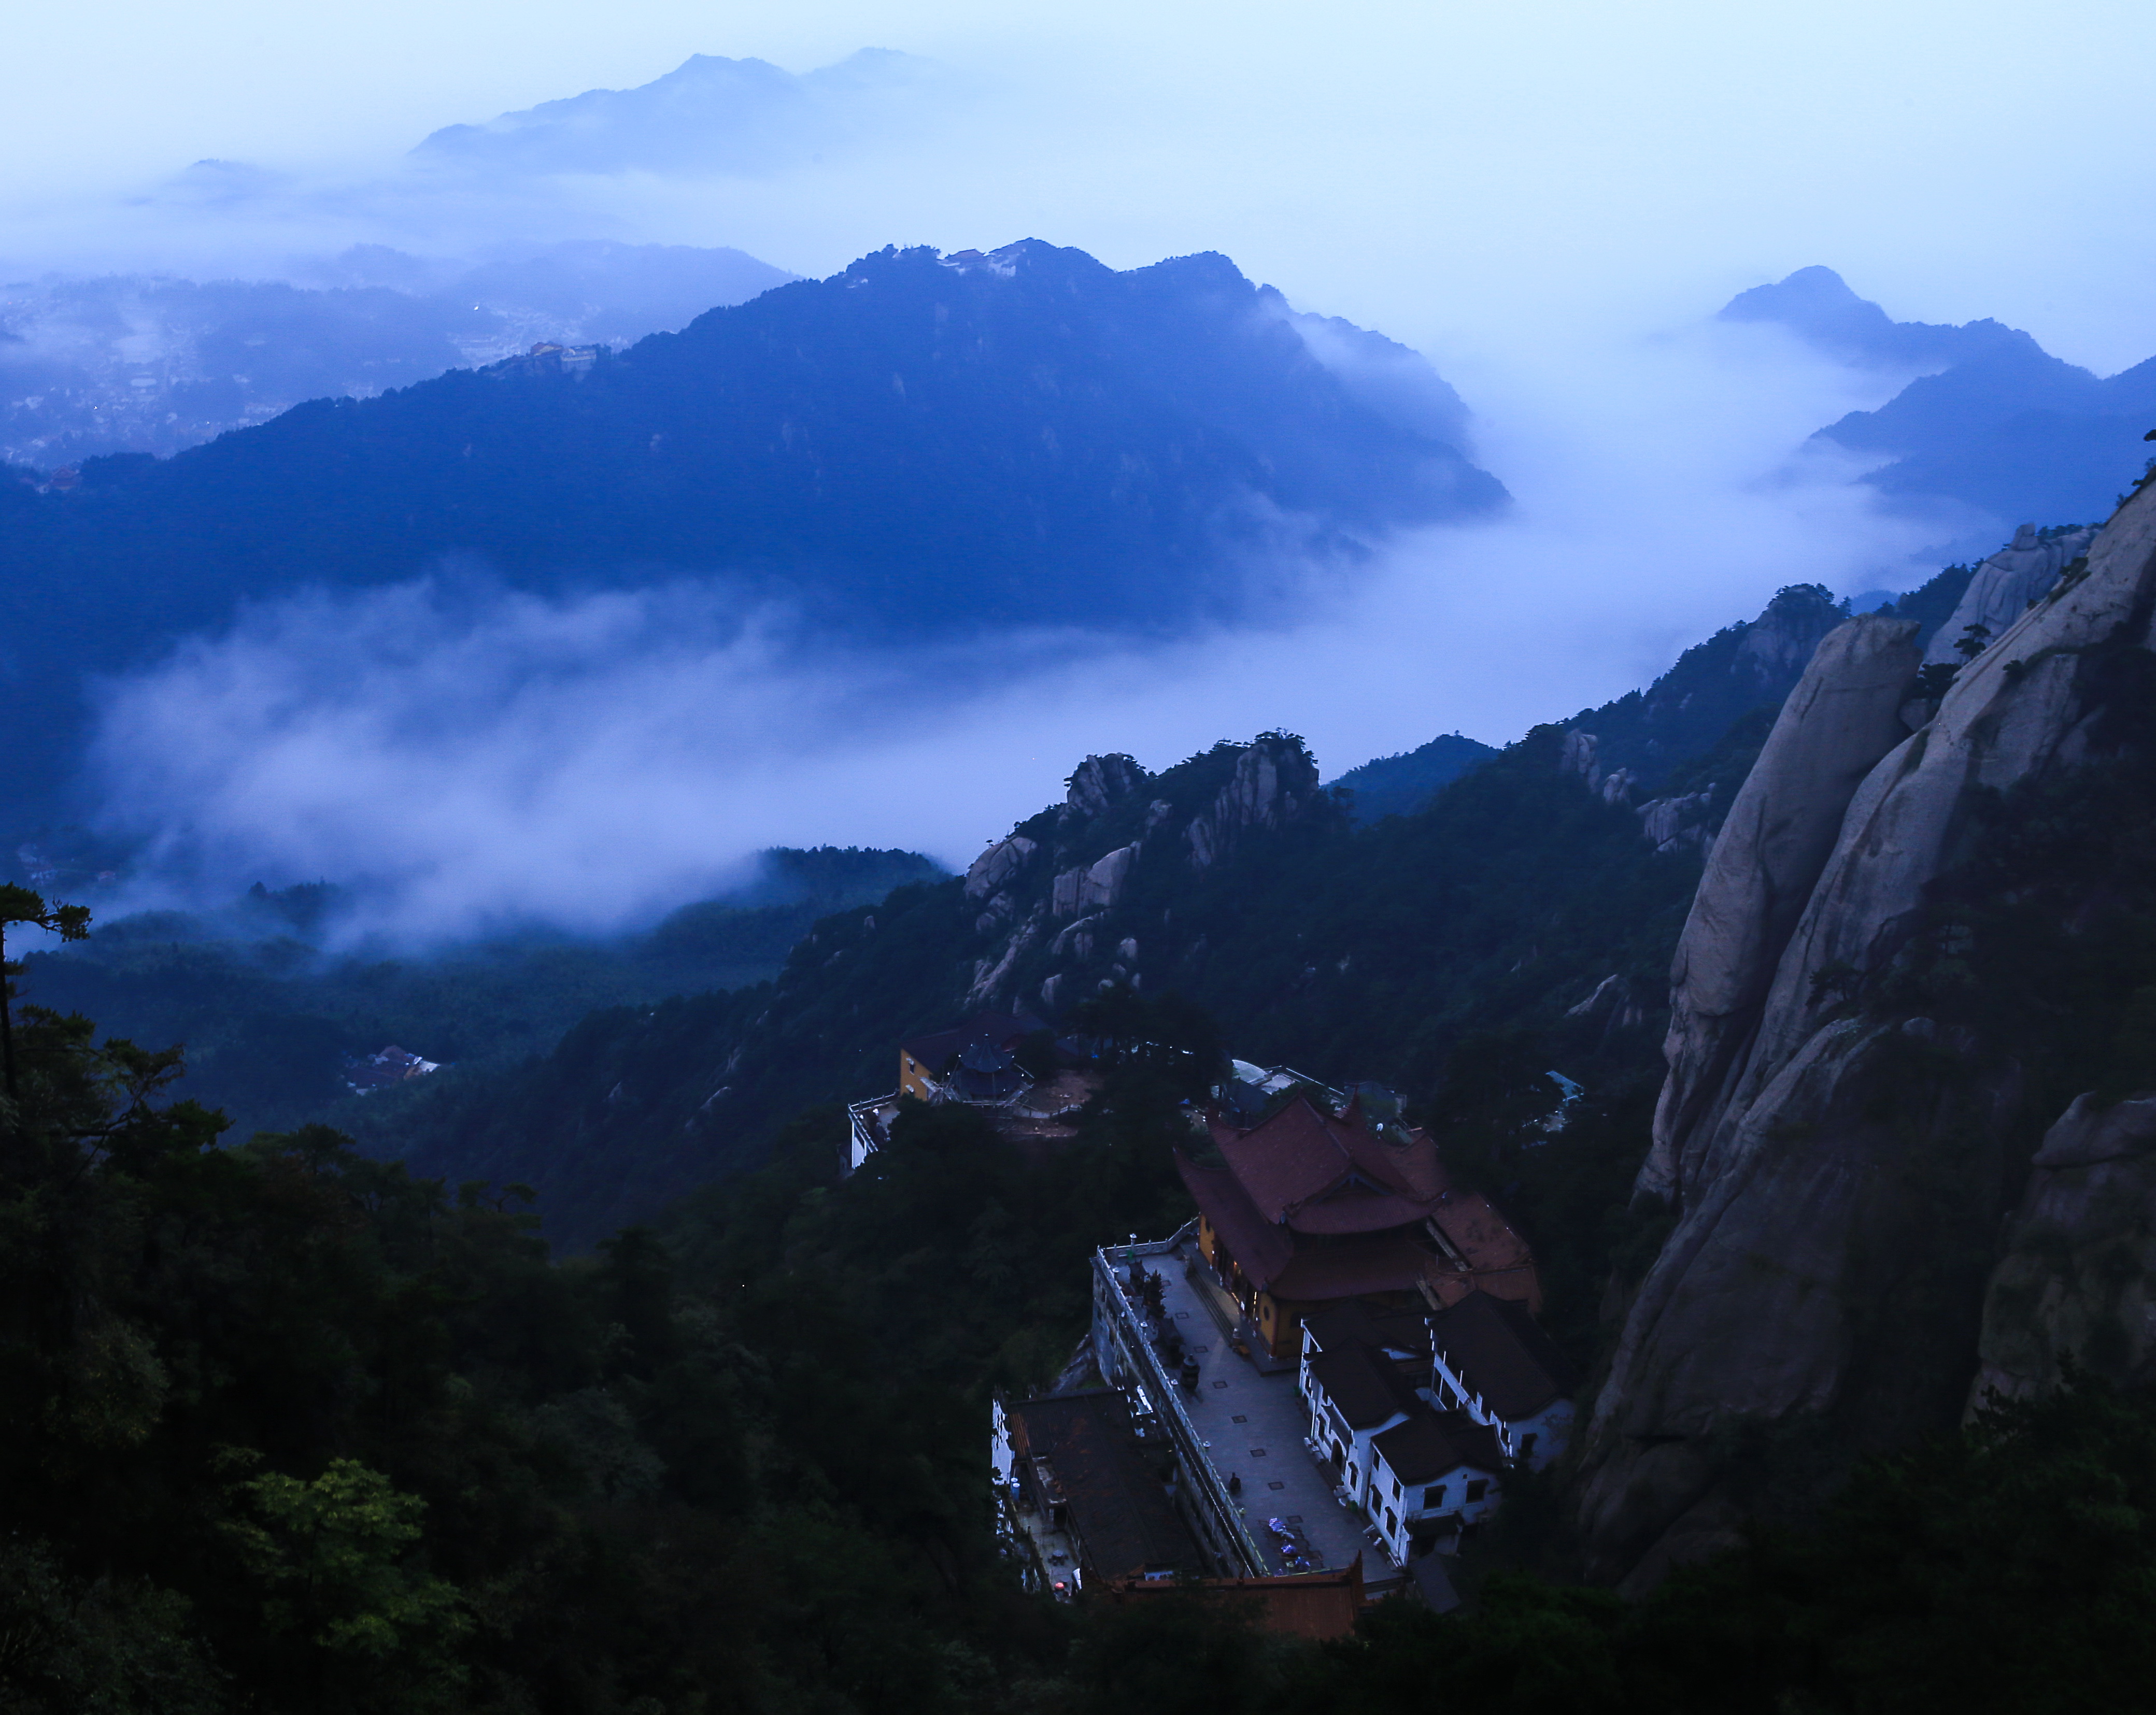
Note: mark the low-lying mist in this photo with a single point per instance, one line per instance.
(463, 758)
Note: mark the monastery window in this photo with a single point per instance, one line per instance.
(1527, 1446)
(1477, 1488)
(1433, 1497)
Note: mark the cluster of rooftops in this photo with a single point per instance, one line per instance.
(1311, 1206)
(1389, 1307)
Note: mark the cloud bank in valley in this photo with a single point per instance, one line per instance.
(1517, 192)
(466, 757)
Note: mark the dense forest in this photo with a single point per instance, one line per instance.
(273, 1005)
(284, 1428)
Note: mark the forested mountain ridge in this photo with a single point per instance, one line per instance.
(1540, 893)
(270, 1021)
(919, 446)
(1395, 786)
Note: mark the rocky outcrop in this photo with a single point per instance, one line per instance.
(2001, 588)
(991, 974)
(1099, 784)
(1274, 780)
(1835, 1180)
(1000, 864)
(2078, 1283)
(1581, 755)
(1669, 824)
(1055, 901)
(1840, 720)
(1098, 884)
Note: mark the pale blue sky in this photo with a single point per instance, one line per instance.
(1436, 168)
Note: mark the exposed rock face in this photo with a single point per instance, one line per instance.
(2003, 587)
(1669, 823)
(990, 975)
(1274, 780)
(998, 864)
(1835, 1193)
(1089, 885)
(1838, 723)
(1099, 783)
(1062, 893)
(2078, 1280)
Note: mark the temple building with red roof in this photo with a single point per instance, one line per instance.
(1307, 1208)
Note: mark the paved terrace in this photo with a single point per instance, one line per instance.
(1252, 1424)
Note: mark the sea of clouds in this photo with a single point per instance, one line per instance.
(1551, 203)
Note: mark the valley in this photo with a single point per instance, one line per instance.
(886, 983)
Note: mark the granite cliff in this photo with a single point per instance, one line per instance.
(1854, 1093)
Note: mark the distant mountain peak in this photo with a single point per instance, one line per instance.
(1818, 305)
(709, 114)
(1993, 427)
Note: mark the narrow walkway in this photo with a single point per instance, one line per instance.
(1253, 1424)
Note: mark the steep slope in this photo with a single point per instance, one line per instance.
(922, 446)
(1997, 422)
(269, 1020)
(1909, 952)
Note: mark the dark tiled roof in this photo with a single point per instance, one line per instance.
(1273, 1259)
(1326, 1174)
(1380, 1263)
(1119, 1510)
(1432, 1443)
(1362, 1385)
(1500, 1353)
(1352, 1321)
(997, 1030)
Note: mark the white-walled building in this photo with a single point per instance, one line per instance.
(1355, 1393)
(1432, 1475)
(1490, 1359)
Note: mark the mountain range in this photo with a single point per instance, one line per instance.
(708, 115)
(922, 446)
(1994, 423)
(1537, 895)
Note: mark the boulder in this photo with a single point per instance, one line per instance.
(1105, 881)
(998, 865)
(1099, 783)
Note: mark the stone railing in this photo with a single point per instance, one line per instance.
(1121, 1348)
